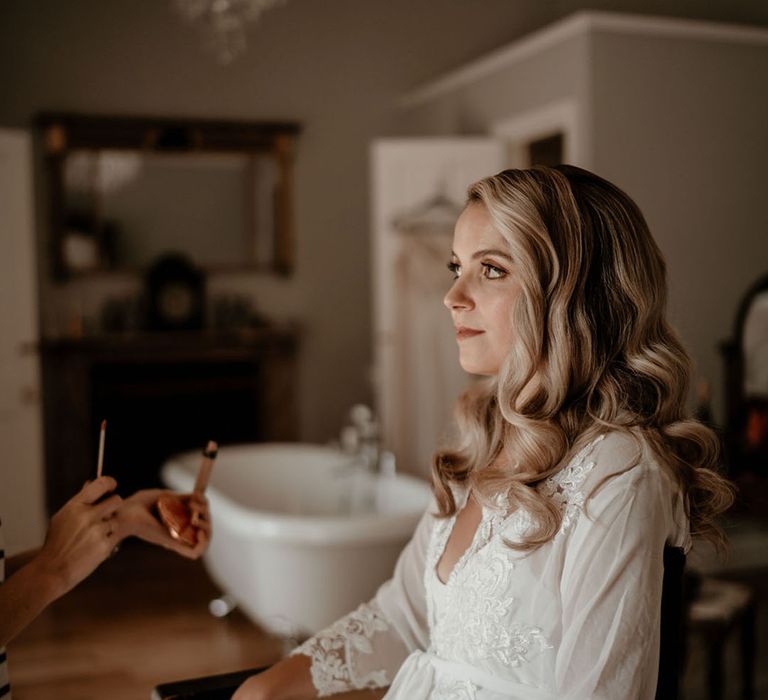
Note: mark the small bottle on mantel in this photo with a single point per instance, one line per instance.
(703, 410)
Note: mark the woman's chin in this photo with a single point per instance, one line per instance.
(482, 369)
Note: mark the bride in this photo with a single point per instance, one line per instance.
(536, 572)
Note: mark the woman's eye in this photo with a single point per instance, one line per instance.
(455, 269)
(492, 272)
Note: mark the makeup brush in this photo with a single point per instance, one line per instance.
(174, 509)
(204, 473)
(102, 436)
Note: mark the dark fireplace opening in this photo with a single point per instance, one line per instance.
(160, 394)
(154, 411)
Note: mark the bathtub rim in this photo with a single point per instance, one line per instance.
(277, 527)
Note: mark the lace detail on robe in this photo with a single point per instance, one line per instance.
(564, 488)
(332, 651)
(472, 623)
(449, 689)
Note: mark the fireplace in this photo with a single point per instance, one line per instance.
(160, 394)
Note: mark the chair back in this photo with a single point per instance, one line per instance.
(673, 614)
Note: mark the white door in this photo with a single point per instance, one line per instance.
(21, 473)
(417, 376)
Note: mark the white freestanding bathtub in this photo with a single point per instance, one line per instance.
(301, 535)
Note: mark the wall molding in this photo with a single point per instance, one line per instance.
(582, 23)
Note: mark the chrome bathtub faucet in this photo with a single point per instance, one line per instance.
(361, 437)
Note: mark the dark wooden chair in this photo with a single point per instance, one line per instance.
(219, 687)
(672, 651)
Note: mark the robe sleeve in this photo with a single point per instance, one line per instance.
(365, 648)
(611, 587)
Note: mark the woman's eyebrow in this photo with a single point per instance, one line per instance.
(487, 251)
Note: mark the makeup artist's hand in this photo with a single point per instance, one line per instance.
(81, 535)
(137, 517)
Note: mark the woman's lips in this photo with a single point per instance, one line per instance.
(462, 332)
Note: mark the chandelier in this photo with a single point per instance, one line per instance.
(223, 23)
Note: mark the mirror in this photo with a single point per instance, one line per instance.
(755, 356)
(755, 347)
(123, 192)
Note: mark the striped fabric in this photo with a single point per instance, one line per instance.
(5, 686)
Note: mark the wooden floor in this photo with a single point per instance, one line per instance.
(140, 620)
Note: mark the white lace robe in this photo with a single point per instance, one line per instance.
(576, 618)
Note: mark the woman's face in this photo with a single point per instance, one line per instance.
(483, 292)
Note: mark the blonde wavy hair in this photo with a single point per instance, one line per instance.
(592, 352)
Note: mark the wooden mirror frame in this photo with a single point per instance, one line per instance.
(61, 133)
(736, 400)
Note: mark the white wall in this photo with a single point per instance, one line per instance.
(681, 125)
(472, 100)
(21, 477)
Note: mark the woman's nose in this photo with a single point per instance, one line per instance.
(457, 297)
